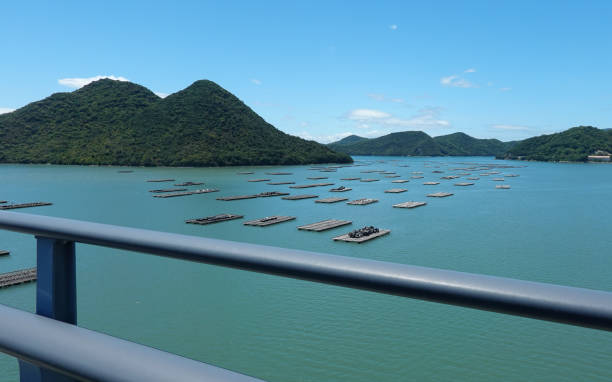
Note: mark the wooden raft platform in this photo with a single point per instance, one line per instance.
(440, 195)
(257, 180)
(279, 183)
(162, 190)
(239, 197)
(17, 277)
(24, 205)
(269, 220)
(410, 204)
(464, 184)
(271, 193)
(400, 181)
(160, 180)
(330, 200)
(396, 190)
(312, 185)
(214, 219)
(362, 202)
(392, 176)
(324, 225)
(186, 193)
(362, 239)
(299, 197)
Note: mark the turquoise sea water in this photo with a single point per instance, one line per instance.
(553, 226)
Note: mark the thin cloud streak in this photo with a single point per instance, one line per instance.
(78, 83)
(4, 110)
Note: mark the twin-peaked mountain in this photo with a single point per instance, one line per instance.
(122, 123)
(417, 143)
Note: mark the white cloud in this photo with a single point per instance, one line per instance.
(161, 95)
(80, 82)
(470, 70)
(505, 89)
(4, 110)
(256, 81)
(323, 138)
(457, 82)
(393, 26)
(384, 98)
(367, 114)
(377, 97)
(363, 126)
(510, 127)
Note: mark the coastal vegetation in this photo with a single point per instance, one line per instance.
(121, 123)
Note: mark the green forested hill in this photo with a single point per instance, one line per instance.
(418, 143)
(573, 145)
(121, 123)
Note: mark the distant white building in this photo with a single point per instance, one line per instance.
(600, 156)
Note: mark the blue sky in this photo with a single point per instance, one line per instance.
(324, 70)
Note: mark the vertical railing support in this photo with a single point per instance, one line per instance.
(55, 296)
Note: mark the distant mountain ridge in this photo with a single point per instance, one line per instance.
(418, 143)
(121, 123)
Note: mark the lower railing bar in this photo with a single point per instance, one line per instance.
(575, 306)
(86, 355)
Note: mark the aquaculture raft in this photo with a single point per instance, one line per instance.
(369, 180)
(440, 195)
(473, 178)
(269, 220)
(162, 190)
(257, 180)
(17, 277)
(392, 176)
(160, 180)
(214, 219)
(362, 202)
(396, 190)
(245, 173)
(312, 185)
(350, 178)
(4, 253)
(189, 184)
(316, 177)
(271, 193)
(340, 189)
(330, 200)
(362, 239)
(463, 184)
(299, 197)
(502, 187)
(431, 183)
(498, 179)
(240, 197)
(417, 177)
(279, 183)
(24, 205)
(409, 204)
(186, 193)
(400, 181)
(279, 173)
(324, 225)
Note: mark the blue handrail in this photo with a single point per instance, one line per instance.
(569, 305)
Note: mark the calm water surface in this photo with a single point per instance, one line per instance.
(553, 226)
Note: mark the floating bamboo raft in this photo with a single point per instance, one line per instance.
(324, 225)
(316, 177)
(330, 200)
(503, 186)
(369, 180)
(279, 173)
(350, 178)
(340, 189)
(396, 190)
(440, 195)
(17, 277)
(269, 220)
(257, 180)
(464, 184)
(431, 183)
(362, 239)
(214, 219)
(186, 193)
(312, 185)
(271, 193)
(160, 180)
(24, 205)
(162, 190)
(239, 197)
(279, 183)
(299, 197)
(362, 202)
(410, 204)
(400, 181)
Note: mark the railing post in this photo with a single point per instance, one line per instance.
(55, 296)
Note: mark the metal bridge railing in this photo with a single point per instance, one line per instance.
(87, 355)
